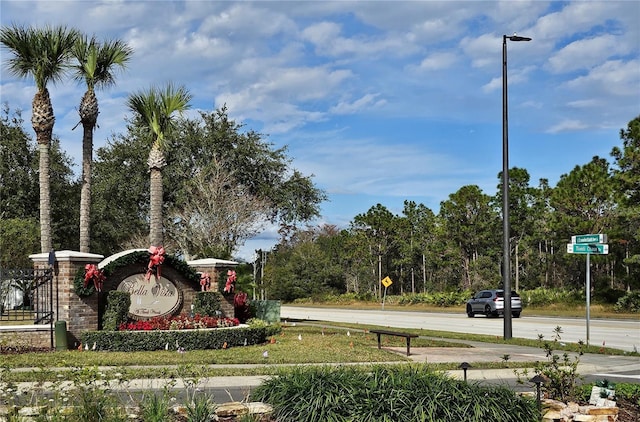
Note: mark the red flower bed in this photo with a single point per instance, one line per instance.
(179, 322)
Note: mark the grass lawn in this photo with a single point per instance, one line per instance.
(296, 344)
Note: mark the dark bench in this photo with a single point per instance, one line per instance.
(397, 334)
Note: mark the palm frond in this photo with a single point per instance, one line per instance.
(155, 107)
(39, 52)
(96, 62)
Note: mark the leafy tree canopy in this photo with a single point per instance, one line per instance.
(209, 144)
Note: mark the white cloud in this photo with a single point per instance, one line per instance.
(586, 53)
(567, 126)
(613, 77)
(438, 61)
(366, 101)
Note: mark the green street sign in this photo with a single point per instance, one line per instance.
(584, 248)
(589, 238)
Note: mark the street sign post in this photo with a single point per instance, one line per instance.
(588, 244)
(386, 282)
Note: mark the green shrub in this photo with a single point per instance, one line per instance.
(560, 372)
(201, 409)
(155, 408)
(206, 303)
(543, 297)
(394, 393)
(271, 328)
(608, 295)
(630, 302)
(134, 341)
(118, 304)
(92, 402)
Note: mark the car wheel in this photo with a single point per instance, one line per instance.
(470, 313)
(487, 310)
(516, 314)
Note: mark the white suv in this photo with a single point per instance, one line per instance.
(491, 303)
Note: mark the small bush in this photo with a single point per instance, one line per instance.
(206, 303)
(117, 311)
(543, 297)
(630, 302)
(155, 408)
(608, 295)
(560, 372)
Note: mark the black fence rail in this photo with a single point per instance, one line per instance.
(26, 296)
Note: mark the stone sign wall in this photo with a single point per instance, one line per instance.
(174, 294)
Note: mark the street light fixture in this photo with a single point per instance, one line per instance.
(506, 268)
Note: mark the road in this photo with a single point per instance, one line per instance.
(618, 334)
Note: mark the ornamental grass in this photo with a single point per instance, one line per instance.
(388, 394)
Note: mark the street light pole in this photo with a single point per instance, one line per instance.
(506, 248)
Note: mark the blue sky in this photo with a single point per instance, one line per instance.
(381, 101)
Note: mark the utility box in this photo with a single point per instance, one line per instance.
(61, 335)
(267, 310)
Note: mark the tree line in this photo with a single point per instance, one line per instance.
(460, 247)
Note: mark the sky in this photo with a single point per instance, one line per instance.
(380, 101)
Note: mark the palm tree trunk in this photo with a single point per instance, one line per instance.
(155, 205)
(42, 121)
(45, 199)
(85, 192)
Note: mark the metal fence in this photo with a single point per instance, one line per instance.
(26, 295)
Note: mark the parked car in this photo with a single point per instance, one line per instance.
(491, 303)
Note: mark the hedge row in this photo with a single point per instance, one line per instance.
(201, 339)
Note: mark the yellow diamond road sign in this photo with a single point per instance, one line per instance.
(386, 282)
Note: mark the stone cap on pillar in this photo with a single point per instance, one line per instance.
(67, 256)
(210, 264)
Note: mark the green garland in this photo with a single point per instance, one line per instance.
(78, 285)
(137, 257)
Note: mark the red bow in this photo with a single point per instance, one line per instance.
(230, 284)
(95, 275)
(205, 281)
(155, 261)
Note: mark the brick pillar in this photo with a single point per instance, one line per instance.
(214, 267)
(81, 314)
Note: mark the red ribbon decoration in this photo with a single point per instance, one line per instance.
(95, 275)
(205, 282)
(231, 280)
(155, 261)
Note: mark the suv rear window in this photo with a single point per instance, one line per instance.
(513, 294)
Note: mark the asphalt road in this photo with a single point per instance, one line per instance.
(618, 334)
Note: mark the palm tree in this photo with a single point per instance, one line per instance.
(95, 66)
(154, 109)
(41, 53)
